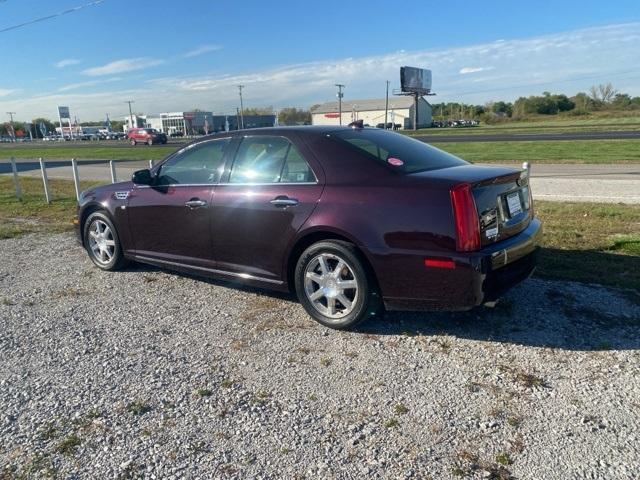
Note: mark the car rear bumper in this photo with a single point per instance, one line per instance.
(478, 277)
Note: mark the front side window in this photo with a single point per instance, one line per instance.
(199, 164)
(263, 159)
(398, 151)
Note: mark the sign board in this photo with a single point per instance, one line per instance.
(415, 80)
(63, 112)
(331, 115)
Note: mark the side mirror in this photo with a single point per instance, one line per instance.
(142, 177)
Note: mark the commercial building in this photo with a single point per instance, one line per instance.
(197, 123)
(371, 112)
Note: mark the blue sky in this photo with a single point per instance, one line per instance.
(168, 55)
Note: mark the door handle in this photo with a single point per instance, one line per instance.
(195, 203)
(284, 201)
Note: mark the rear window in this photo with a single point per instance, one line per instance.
(399, 152)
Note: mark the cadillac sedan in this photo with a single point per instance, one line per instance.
(353, 220)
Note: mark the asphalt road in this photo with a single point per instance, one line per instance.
(579, 183)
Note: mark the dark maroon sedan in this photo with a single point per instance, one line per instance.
(351, 219)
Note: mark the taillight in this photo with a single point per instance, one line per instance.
(466, 218)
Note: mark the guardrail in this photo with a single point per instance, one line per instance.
(74, 169)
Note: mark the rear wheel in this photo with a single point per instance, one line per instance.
(102, 242)
(150, 142)
(133, 142)
(334, 286)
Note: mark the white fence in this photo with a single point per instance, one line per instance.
(76, 176)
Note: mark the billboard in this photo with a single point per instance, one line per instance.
(63, 112)
(415, 80)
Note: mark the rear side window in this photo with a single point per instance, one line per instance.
(263, 159)
(199, 164)
(400, 152)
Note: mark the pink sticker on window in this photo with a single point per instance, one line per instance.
(396, 162)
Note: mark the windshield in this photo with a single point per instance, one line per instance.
(398, 151)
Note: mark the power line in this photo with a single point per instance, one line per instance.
(49, 17)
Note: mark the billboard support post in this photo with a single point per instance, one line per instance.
(112, 167)
(386, 106)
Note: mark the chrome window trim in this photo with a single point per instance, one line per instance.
(223, 184)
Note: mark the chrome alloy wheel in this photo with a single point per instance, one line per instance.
(101, 241)
(330, 285)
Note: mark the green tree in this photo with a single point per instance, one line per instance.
(293, 116)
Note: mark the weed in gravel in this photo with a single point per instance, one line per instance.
(226, 383)
(261, 396)
(149, 279)
(400, 409)
(351, 354)
(69, 443)
(70, 292)
(444, 344)
(204, 392)
(303, 350)
(6, 302)
(325, 362)
(313, 397)
(292, 360)
(48, 431)
(285, 450)
(504, 459)
(473, 387)
(391, 423)
(239, 345)
(529, 380)
(138, 407)
(514, 421)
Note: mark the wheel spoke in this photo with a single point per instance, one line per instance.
(339, 267)
(318, 294)
(346, 284)
(346, 303)
(323, 264)
(314, 277)
(93, 234)
(103, 255)
(331, 305)
(110, 243)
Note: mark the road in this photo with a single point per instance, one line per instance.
(580, 183)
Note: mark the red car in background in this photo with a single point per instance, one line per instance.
(149, 136)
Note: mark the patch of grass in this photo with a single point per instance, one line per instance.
(226, 383)
(529, 380)
(313, 397)
(204, 392)
(514, 421)
(590, 242)
(558, 151)
(99, 152)
(6, 302)
(504, 459)
(325, 362)
(68, 445)
(138, 407)
(391, 423)
(32, 214)
(400, 409)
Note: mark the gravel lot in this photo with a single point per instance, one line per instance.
(146, 373)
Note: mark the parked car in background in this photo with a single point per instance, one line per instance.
(149, 136)
(350, 219)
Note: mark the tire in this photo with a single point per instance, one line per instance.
(150, 142)
(133, 143)
(102, 242)
(319, 287)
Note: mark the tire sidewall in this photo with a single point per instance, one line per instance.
(117, 259)
(365, 285)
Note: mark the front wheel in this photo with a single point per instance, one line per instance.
(334, 286)
(102, 242)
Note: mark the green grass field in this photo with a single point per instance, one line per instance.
(565, 151)
(540, 125)
(585, 242)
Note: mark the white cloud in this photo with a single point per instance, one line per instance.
(90, 83)
(121, 66)
(564, 62)
(6, 91)
(67, 62)
(466, 70)
(202, 50)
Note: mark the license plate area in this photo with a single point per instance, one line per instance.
(514, 204)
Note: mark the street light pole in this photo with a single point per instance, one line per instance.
(130, 113)
(13, 131)
(240, 87)
(340, 95)
(386, 106)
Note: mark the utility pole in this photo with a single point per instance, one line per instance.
(13, 130)
(340, 95)
(386, 106)
(130, 113)
(240, 87)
